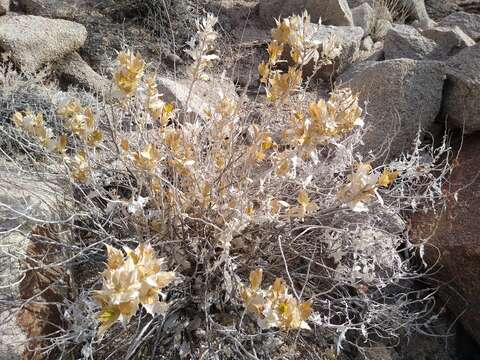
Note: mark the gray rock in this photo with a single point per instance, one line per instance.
(416, 8)
(348, 38)
(469, 23)
(461, 103)
(202, 96)
(33, 41)
(404, 41)
(35, 197)
(419, 12)
(47, 8)
(363, 16)
(332, 12)
(449, 40)
(400, 96)
(73, 70)
(4, 6)
(354, 3)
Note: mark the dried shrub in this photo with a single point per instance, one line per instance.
(218, 196)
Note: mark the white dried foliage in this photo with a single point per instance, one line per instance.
(217, 197)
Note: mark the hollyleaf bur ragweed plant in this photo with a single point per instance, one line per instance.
(218, 194)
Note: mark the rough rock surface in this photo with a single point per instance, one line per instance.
(72, 69)
(204, 94)
(469, 23)
(461, 102)
(404, 41)
(438, 9)
(23, 193)
(363, 16)
(332, 12)
(4, 6)
(455, 239)
(399, 97)
(450, 40)
(349, 38)
(419, 12)
(34, 41)
(64, 9)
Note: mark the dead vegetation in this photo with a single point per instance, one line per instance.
(278, 242)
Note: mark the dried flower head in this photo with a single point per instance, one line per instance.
(275, 307)
(130, 281)
(362, 185)
(129, 72)
(201, 47)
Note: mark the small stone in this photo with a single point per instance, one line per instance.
(367, 44)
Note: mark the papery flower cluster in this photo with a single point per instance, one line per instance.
(131, 81)
(34, 125)
(129, 72)
(274, 307)
(81, 122)
(201, 47)
(325, 121)
(295, 33)
(362, 185)
(129, 282)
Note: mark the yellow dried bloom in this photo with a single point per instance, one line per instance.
(219, 160)
(264, 71)
(303, 198)
(157, 108)
(147, 159)
(70, 109)
(275, 50)
(129, 282)
(262, 142)
(325, 120)
(34, 125)
(362, 186)
(94, 138)
(115, 257)
(387, 177)
(283, 85)
(17, 119)
(274, 307)
(60, 145)
(282, 167)
(282, 32)
(81, 122)
(124, 144)
(80, 169)
(129, 72)
(256, 279)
